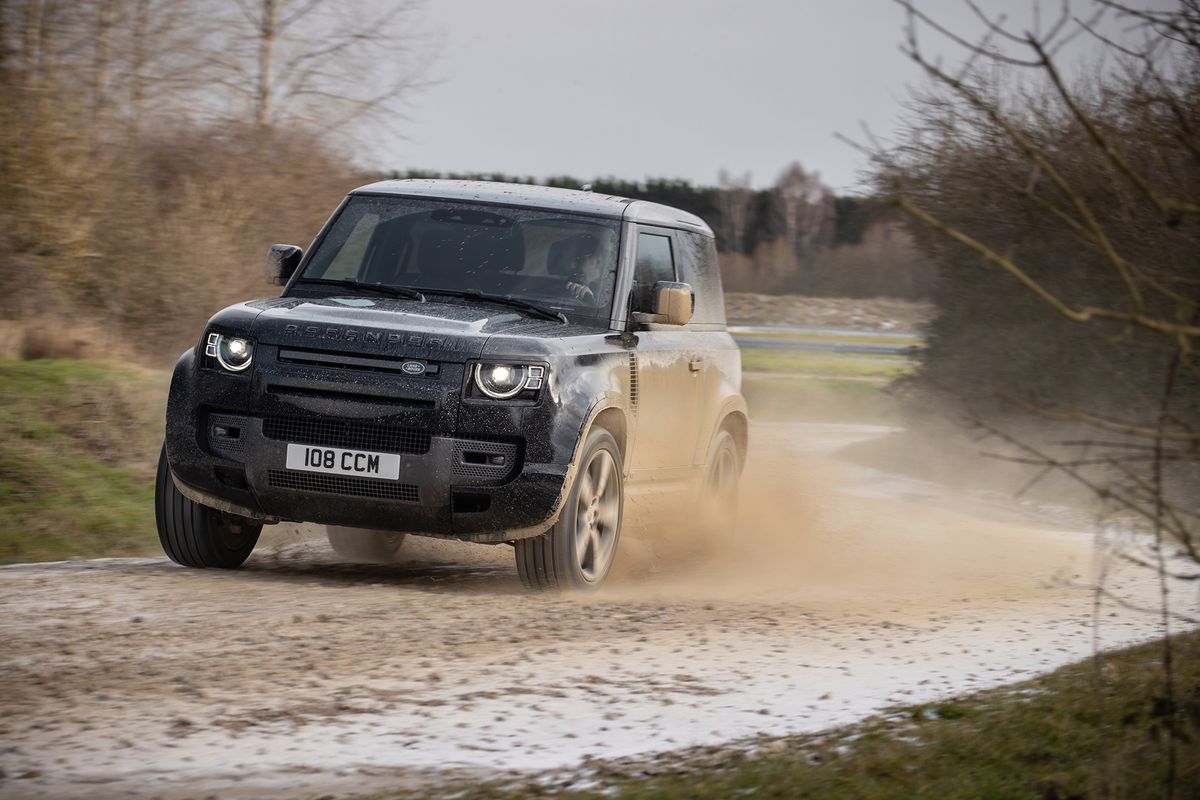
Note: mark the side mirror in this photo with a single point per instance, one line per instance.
(673, 304)
(282, 260)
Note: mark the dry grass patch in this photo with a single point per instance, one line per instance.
(78, 447)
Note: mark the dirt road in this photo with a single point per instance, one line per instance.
(844, 591)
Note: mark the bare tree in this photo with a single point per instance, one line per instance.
(45, 143)
(104, 20)
(321, 62)
(127, 136)
(804, 209)
(167, 63)
(735, 203)
(123, 60)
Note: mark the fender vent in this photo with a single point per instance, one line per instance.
(633, 380)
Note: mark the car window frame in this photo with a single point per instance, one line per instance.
(622, 312)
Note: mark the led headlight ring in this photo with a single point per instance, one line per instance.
(233, 353)
(500, 381)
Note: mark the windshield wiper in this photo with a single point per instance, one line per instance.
(505, 300)
(382, 288)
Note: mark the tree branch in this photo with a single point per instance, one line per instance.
(1082, 314)
(1166, 206)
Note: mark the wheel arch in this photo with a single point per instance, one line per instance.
(608, 414)
(612, 419)
(738, 424)
(734, 418)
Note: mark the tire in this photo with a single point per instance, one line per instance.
(578, 552)
(719, 492)
(364, 546)
(195, 535)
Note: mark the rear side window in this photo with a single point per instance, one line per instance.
(654, 263)
(698, 268)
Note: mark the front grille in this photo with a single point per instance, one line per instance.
(338, 484)
(405, 366)
(346, 434)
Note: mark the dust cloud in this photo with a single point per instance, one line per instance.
(818, 529)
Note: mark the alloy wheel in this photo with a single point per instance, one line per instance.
(597, 515)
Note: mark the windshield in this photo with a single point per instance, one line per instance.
(561, 262)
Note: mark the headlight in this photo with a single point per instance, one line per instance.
(231, 352)
(502, 381)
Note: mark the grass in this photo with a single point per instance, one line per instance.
(823, 364)
(78, 443)
(1075, 733)
(850, 338)
(805, 385)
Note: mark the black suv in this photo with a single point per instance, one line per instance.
(487, 362)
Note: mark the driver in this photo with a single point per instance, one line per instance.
(585, 268)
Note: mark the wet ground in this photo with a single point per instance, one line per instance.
(843, 591)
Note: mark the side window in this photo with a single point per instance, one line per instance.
(654, 263)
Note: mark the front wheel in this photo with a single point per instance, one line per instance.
(195, 535)
(364, 546)
(578, 551)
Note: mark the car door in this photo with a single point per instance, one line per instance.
(716, 361)
(669, 388)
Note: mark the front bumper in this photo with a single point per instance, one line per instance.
(227, 448)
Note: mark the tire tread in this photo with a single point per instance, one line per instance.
(186, 529)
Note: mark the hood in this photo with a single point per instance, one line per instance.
(435, 331)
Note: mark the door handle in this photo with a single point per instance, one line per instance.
(696, 364)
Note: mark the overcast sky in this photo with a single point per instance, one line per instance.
(663, 88)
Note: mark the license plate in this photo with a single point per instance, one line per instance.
(335, 460)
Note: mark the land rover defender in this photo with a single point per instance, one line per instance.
(487, 362)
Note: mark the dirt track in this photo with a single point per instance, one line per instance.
(844, 591)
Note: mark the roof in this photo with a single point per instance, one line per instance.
(546, 197)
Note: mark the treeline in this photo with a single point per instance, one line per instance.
(795, 236)
(759, 222)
